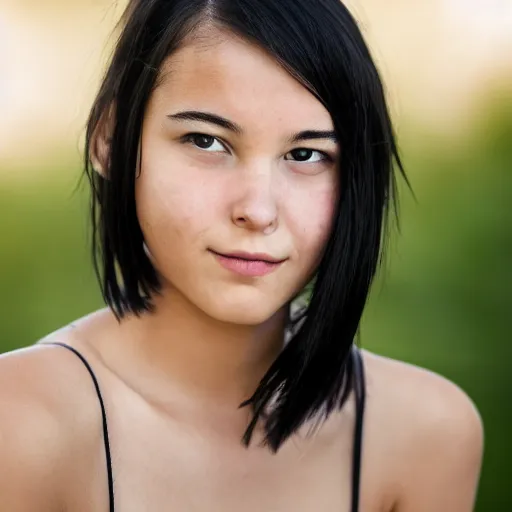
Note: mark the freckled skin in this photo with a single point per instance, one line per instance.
(248, 198)
(172, 380)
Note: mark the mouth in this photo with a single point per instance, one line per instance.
(248, 264)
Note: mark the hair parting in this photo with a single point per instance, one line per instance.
(321, 46)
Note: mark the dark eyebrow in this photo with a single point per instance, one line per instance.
(205, 117)
(314, 135)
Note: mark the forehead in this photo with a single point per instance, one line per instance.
(224, 74)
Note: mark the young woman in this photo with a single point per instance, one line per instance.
(241, 158)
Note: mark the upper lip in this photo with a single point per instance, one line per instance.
(250, 256)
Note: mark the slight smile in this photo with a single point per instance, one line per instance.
(248, 264)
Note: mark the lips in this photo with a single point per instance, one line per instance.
(248, 264)
(257, 256)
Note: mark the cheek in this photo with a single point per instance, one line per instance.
(311, 220)
(174, 209)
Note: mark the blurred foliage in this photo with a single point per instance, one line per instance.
(442, 301)
(444, 297)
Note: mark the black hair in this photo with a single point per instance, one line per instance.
(320, 44)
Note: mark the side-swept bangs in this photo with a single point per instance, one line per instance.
(320, 44)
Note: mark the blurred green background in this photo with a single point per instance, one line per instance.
(442, 301)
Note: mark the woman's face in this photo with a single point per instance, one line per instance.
(238, 159)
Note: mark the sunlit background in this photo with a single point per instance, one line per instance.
(444, 298)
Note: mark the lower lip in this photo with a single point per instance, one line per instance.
(251, 268)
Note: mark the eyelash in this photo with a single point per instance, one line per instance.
(189, 139)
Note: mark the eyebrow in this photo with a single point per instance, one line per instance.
(206, 117)
(314, 135)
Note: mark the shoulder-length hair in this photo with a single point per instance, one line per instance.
(319, 43)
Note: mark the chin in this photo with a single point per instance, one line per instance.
(242, 316)
(242, 312)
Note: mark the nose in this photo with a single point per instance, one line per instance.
(255, 206)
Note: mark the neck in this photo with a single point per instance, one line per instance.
(213, 363)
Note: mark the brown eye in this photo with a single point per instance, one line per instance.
(204, 142)
(301, 155)
(306, 155)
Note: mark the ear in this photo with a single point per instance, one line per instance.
(99, 147)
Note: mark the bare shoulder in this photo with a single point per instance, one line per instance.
(42, 420)
(426, 397)
(433, 430)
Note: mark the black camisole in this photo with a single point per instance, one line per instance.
(359, 391)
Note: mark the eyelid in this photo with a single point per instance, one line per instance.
(326, 156)
(311, 146)
(187, 138)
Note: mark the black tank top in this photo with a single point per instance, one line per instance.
(359, 391)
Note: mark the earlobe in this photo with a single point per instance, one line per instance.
(100, 143)
(99, 157)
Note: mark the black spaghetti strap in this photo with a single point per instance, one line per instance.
(104, 420)
(360, 395)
